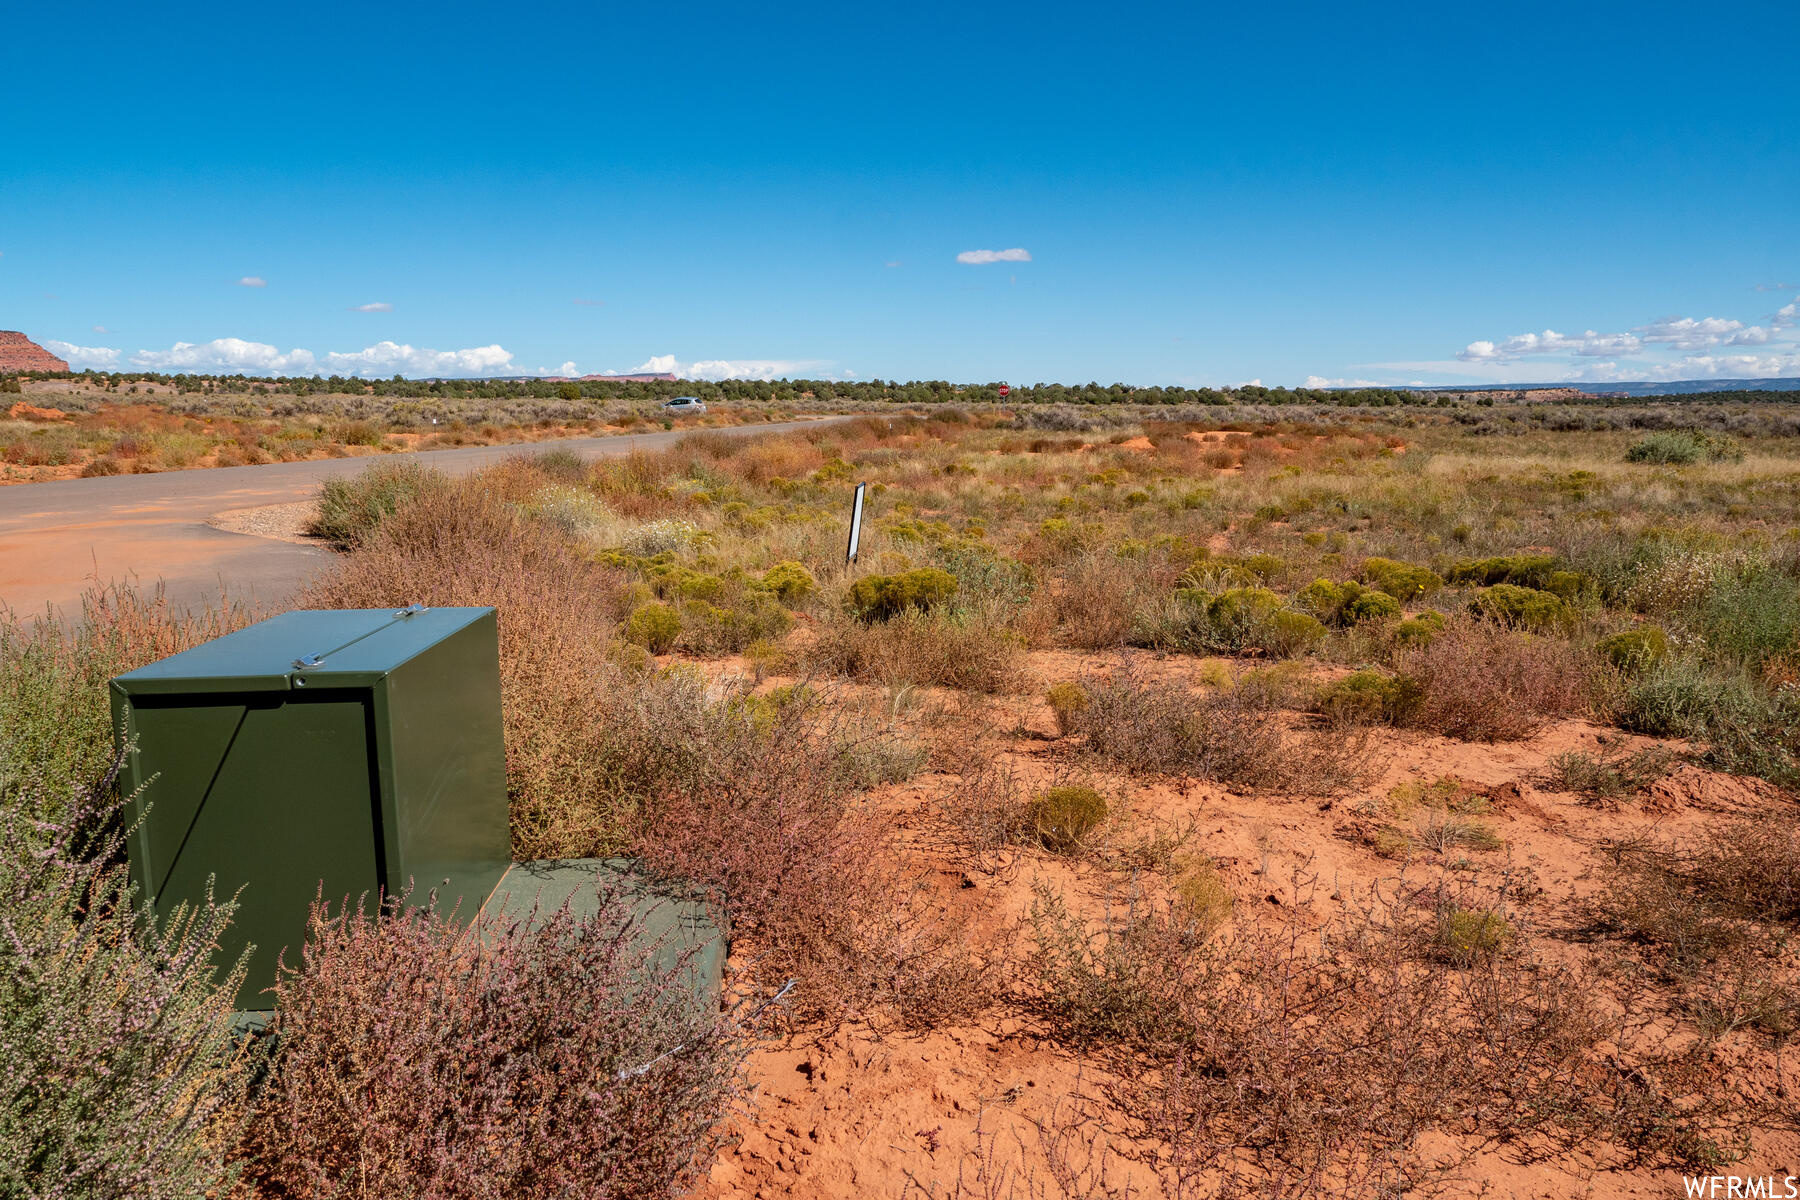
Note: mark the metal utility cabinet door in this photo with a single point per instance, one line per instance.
(357, 752)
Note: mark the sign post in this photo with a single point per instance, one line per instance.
(855, 525)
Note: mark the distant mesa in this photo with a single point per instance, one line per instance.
(667, 377)
(19, 354)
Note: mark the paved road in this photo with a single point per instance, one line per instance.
(57, 539)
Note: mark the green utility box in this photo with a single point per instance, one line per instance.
(675, 920)
(354, 752)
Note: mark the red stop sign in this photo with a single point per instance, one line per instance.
(1006, 389)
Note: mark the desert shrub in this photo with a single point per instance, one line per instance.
(1067, 701)
(1063, 817)
(574, 510)
(883, 597)
(654, 627)
(1483, 683)
(760, 806)
(663, 536)
(1403, 581)
(1281, 1059)
(1099, 601)
(1682, 447)
(1524, 570)
(1369, 606)
(1238, 613)
(1607, 777)
(1286, 633)
(541, 1058)
(790, 581)
(1233, 735)
(1648, 897)
(1747, 726)
(1520, 607)
(743, 616)
(1202, 896)
(950, 650)
(561, 464)
(557, 614)
(1467, 936)
(1123, 984)
(1368, 697)
(1235, 620)
(120, 1075)
(1752, 867)
(1348, 603)
(352, 507)
(1630, 649)
(55, 711)
(1417, 631)
(1750, 613)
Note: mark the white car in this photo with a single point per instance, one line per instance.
(685, 406)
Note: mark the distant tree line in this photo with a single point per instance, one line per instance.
(917, 392)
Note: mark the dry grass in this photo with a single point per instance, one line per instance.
(944, 649)
(557, 610)
(1233, 734)
(1486, 684)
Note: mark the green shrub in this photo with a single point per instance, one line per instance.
(576, 511)
(1631, 649)
(1403, 581)
(1369, 606)
(882, 597)
(1419, 630)
(1568, 585)
(1068, 701)
(1750, 614)
(654, 627)
(790, 582)
(1063, 817)
(1466, 937)
(351, 507)
(1682, 447)
(1235, 612)
(56, 725)
(561, 464)
(1526, 570)
(1369, 697)
(743, 616)
(1286, 633)
(1520, 607)
(120, 1077)
(1348, 603)
(1264, 566)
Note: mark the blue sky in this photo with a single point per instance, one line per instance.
(1437, 193)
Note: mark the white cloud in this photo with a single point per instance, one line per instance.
(81, 357)
(1587, 345)
(1685, 333)
(100, 329)
(982, 257)
(253, 281)
(1699, 366)
(237, 356)
(375, 306)
(1775, 287)
(894, 262)
(1669, 348)
(716, 369)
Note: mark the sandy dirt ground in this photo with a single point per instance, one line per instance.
(857, 1112)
